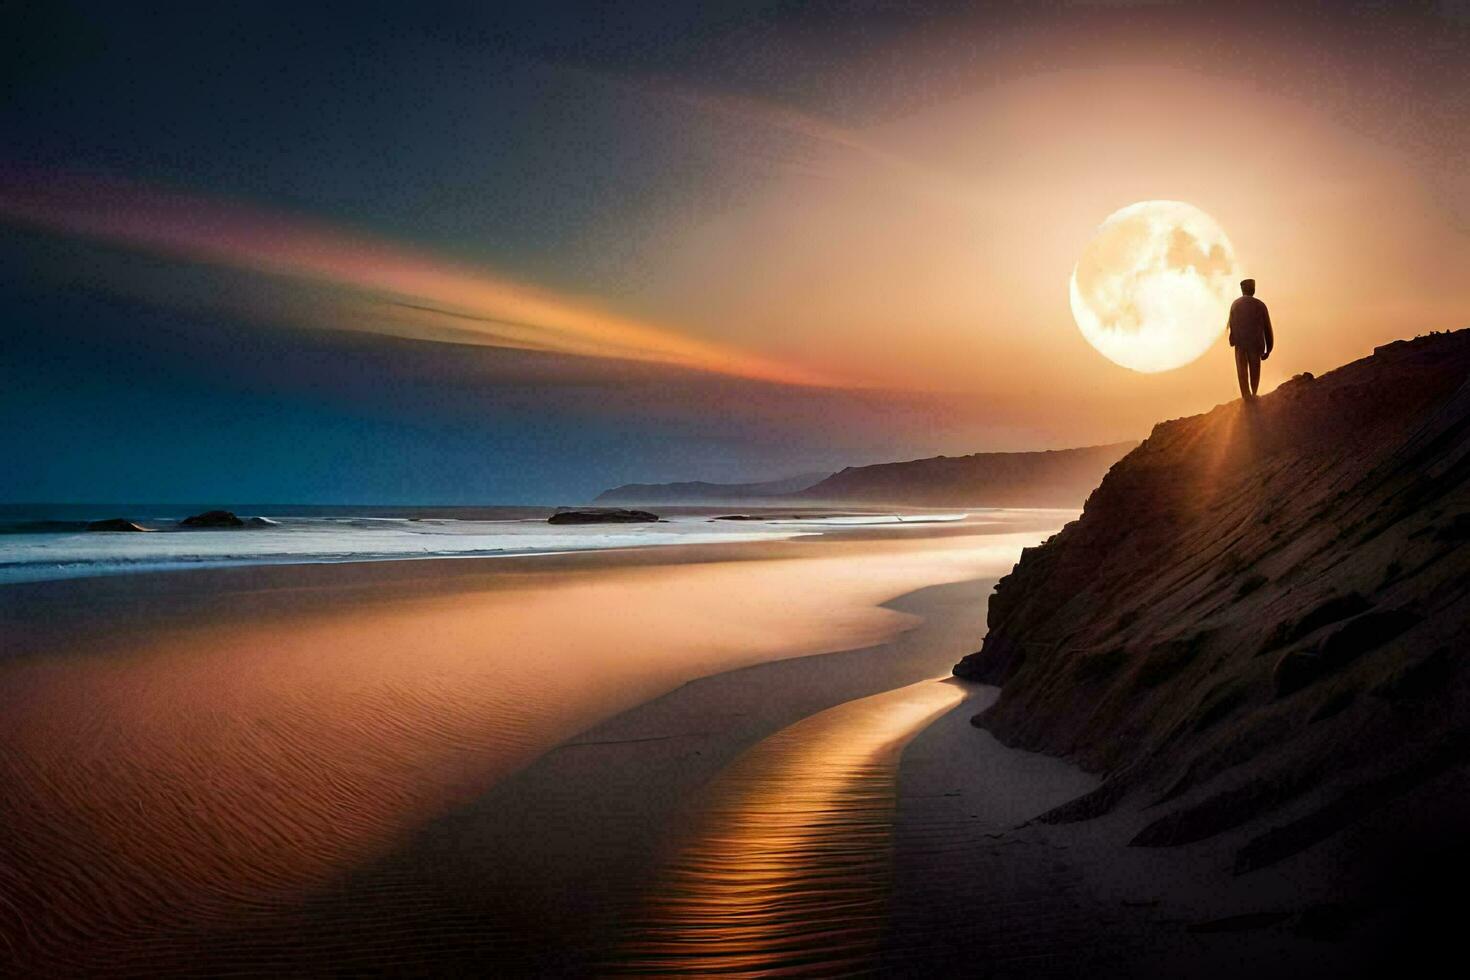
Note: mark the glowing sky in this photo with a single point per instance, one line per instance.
(522, 254)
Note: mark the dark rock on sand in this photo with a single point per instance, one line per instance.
(602, 515)
(212, 518)
(115, 524)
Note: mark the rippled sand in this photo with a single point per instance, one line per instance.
(225, 753)
(787, 870)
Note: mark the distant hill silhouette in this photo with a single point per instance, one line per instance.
(1053, 478)
(700, 492)
(1056, 478)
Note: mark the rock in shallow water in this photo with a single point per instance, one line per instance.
(212, 518)
(602, 515)
(115, 524)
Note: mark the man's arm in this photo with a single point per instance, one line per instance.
(1270, 337)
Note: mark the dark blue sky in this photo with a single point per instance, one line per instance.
(109, 399)
(461, 128)
(519, 138)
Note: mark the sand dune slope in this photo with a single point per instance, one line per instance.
(1260, 623)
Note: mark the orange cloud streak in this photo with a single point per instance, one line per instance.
(471, 304)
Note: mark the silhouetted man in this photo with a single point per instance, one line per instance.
(1250, 335)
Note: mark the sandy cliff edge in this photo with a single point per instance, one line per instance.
(1261, 619)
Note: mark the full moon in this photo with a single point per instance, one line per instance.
(1153, 288)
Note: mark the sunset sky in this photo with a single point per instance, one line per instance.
(445, 254)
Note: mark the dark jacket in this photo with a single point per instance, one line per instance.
(1250, 326)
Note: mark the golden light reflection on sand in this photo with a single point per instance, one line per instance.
(787, 867)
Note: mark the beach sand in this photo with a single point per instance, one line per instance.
(314, 766)
(616, 763)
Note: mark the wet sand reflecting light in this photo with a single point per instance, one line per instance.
(787, 866)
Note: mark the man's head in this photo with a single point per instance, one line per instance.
(1247, 287)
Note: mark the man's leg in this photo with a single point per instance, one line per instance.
(1242, 371)
(1255, 372)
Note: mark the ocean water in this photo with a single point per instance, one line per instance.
(38, 543)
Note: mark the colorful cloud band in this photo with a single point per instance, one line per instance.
(424, 292)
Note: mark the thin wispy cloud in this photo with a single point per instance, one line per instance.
(417, 294)
(905, 173)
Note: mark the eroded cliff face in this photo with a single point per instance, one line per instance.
(1259, 604)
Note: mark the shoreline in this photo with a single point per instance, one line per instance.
(51, 610)
(56, 556)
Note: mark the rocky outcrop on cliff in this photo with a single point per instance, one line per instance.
(1055, 478)
(1262, 617)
